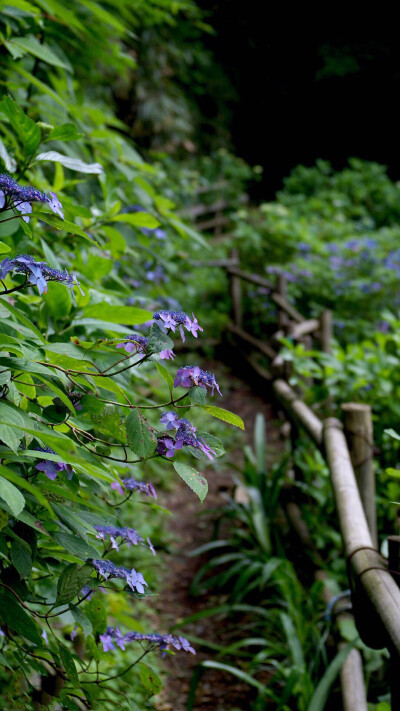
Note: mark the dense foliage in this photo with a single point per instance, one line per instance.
(85, 337)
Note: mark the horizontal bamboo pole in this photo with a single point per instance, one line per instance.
(252, 278)
(260, 281)
(304, 328)
(260, 345)
(367, 564)
(311, 423)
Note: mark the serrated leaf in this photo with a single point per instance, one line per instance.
(10, 494)
(63, 225)
(109, 421)
(21, 559)
(196, 481)
(82, 620)
(75, 545)
(72, 163)
(197, 394)
(27, 130)
(71, 582)
(22, 318)
(97, 614)
(224, 415)
(158, 340)
(140, 436)
(213, 442)
(24, 484)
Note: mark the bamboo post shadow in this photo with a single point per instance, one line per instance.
(236, 292)
(359, 435)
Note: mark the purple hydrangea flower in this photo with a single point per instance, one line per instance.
(108, 569)
(127, 535)
(164, 641)
(44, 636)
(167, 355)
(170, 420)
(107, 642)
(38, 273)
(74, 632)
(19, 197)
(193, 375)
(138, 344)
(133, 485)
(166, 446)
(50, 468)
(173, 319)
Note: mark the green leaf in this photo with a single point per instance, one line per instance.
(140, 436)
(128, 315)
(64, 132)
(68, 664)
(63, 225)
(150, 680)
(197, 395)
(15, 617)
(24, 484)
(321, 693)
(213, 442)
(10, 494)
(392, 433)
(224, 415)
(243, 676)
(196, 481)
(71, 163)
(71, 582)
(81, 619)
(137, 219)
(58, 300)
(109, 421)
(158, 340)
(166, 375)
(75, 545)
(4, 248)
(9, 163)
(42, 51)
(27, 130)
(22, 318)
(21, 559)
(97, 614)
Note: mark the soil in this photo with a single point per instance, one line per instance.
(191, 526)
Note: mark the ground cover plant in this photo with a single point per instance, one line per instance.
(87, 338)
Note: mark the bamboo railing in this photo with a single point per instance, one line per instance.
(348, 452)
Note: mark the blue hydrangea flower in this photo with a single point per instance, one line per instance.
(138, 344)
(38, 273)
(133, 485)
(127, 535)
(50, 468)
(19, 197)
(170, 420)
(193, 375)
(108, 569)
(185, 437)
(173, 319)
(163, 641)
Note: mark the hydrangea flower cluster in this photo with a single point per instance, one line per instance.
(138, 344)
(52, 469)
(164, 641)
(127, 535)
(39, 273)
(14, 195)
(108, 569)
(133, 485)
(191, 375)
(185, 436)
(173, 319)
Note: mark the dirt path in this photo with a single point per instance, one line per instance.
(192, 525)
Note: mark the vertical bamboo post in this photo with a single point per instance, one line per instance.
(325, 330)
(394, 567)
(354, 697)
(236, 292)
(359, 435)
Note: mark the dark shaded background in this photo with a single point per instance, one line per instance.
(307, 90)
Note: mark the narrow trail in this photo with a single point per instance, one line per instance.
(192, 525)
